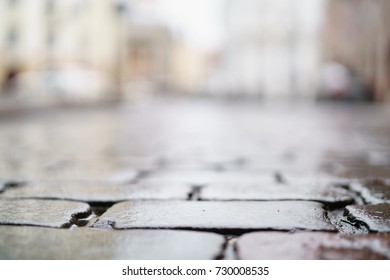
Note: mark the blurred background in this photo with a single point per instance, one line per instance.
(85, 51)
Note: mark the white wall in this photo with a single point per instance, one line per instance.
(272, 47)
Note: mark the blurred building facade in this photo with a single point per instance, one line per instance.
(272, 47)
(147, 50)
(357, 36)
(159, 56)
(83, 49)
(86, 49)
(59, 48)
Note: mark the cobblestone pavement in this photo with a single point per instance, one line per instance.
(196, 179)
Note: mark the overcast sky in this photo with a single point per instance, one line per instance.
(200, 22)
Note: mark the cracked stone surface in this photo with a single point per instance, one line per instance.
(313, 245)
(47, 243)
(376, 217)
(374, 191)
(269, 190)
(214, 215)
(100, 191)
(48, 213)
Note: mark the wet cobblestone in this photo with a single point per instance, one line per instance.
(46, 243)
(199, 165)
(268, 190)
(375, 217)
(373, 191)
(100, 192)
(216, 216)
(204, 177)
(366, 172)
(50, 213)
(285, 246)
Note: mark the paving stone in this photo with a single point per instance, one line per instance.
(50, 213)
(356, 159)
(373, 191)
(142, 163)
(376, 217)
(100, 191)
(175, 163)
(47, 243)
(312, 245)
(36, 168)
(270, 190)
(266, 163)
(364, 158)
(365, 172)
(318, 178)
(123, 176)
(216, 215)
(290, 162)
(197, 177)
(379, 158)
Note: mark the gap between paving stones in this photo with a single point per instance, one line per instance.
(354, 216)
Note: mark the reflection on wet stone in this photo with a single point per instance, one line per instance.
(313, 245)
(125, 122)
(48, 213)
(100, 191)
(217, 216)
(268, 190)
(376, 217)
(204, 177)
(366, 172)
(162, 157)
(46, 243)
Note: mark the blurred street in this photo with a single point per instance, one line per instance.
(197, 164)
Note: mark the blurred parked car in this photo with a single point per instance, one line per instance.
(339, 83)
